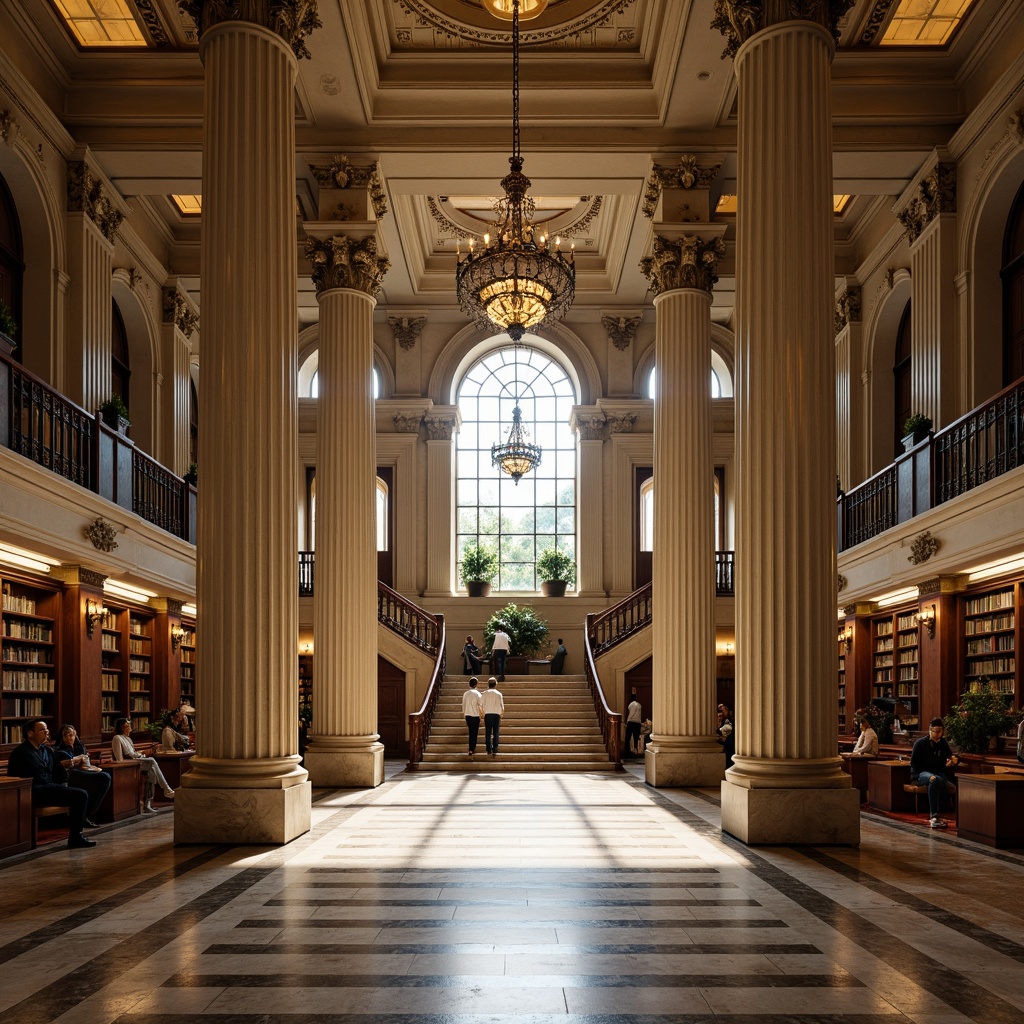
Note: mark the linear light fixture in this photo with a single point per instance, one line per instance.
(11, 555)
(896, 597)
(990, 569)
(127, 591)
(189, 610)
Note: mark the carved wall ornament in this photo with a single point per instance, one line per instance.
(439, 427)
(621, 330)
(1017, 125)
(78, 574)
(622, 424)
(923, 547)
(935, 194)
(738, 20)
(406, 329)
(406, 424)
(688, 174)
(174, 607)
(134, 277)
(590, 426)
(343, 262)
(86, 195)
(340, 173)
(378, 197)
(876, 19)
(293, 20)
(689, 262)
(847, 308)
(842, 582)
(102, 534)
(176, 311)
(889, 277)
(151, 19)
(8, 127)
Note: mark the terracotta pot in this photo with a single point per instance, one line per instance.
(478, 588)
(553, 588)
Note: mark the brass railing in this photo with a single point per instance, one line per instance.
(610, 721)
(613, 625)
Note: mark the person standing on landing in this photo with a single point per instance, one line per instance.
(501, 645)
(634, 721)
(471, 701)
(493, 708)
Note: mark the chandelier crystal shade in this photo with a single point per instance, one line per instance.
(517, 279)
(517, 455)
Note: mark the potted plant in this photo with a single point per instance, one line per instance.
(982, 714)
(192, 474)
(915, 430)
(556, 571)
(526, 633)
(477, 567)
(8, 328)
(115, 414)
(879, 719)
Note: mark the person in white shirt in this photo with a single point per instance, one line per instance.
(867, 742)
(122, 749)
(471, 701)
(634, 718)
(493, 707)
(501, 645)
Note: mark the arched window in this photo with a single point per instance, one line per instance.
(1013, 293)
(193, 422)
(120, 369)
(382, 515)
(314, 382)
(901, 381)
(647, 515)
(716, 383)
(12, 266)
(519, 520)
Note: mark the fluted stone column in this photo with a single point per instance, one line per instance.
(345, 748)
(179, 322)
(246, 784)
(851, 444)
(786, 785)
(682, 750)
(442, 424)
(589, 427)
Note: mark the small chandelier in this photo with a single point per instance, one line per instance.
(516, 281)
(518, 455)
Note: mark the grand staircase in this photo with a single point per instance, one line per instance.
(549, 725)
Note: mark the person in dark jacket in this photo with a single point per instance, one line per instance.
(558, 660)
(82, 774)
(929, 760)
(34, 760)
(471, 663)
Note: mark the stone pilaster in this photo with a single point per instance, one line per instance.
(442, 424)
(850, 443)
(179, 322)
(246, 783)
(683, 751)
(621, 327)
(589, 425)
(345, 748)
(406, 330)
(786, 785)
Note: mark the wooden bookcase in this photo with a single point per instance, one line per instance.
(29, 657)
(140, 670)
(187, 648)
(882, 676)
(907, 669)
(305, 680)
(112, 671)
(989, 636)
(842, 681)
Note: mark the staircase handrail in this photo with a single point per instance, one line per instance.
(419, 627)
(613, 625)
(610, 721)
(421, 720)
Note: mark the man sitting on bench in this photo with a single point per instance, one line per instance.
(929, 760)
(34, 760)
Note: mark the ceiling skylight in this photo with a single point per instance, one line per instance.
(190, 206)
(924, 22)
(101, 22)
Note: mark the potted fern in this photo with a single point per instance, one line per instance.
(556, 571)
(115, 414)
(915, 430)
(477, 567)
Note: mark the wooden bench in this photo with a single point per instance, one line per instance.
(43, 812)
(919, 791)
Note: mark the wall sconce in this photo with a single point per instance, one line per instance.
(177, 635)
(926, 617)
(846, 637)
(93, 611)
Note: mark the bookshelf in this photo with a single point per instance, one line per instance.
(882, 682)
(989, 639)
(305, 682)
(907, 669)
(842, 682)
(112, 670)
(140, 671)
(187, 680)
(29, 657)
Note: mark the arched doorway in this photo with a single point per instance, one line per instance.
(1012, 273)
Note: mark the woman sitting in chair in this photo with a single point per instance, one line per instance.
(471, 658)
(122, 749)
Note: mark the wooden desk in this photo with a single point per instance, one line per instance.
(15, 815)
(122, 799)
(857, 769)
(174, 766)
(990, 809)
(886, 780)
(543, 665)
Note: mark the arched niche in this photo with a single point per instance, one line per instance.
(143, 351)
(309, 363)
(723, 359)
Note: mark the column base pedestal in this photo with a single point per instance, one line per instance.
(820, 817)
(671, 767)
(265, 817)
(349, 767)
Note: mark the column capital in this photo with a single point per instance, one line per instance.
(588, 423)
(738, 20)
(78, 574)
(292, 20)
(687, 262)
(442, 426)
(344, 262)
(687, 175)
(407, 329)
(87, 194)
(847, 309)
(177, 311)
(621, 329)
(359, 183)
(934, 194)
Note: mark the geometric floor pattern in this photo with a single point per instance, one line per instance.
(513, 899)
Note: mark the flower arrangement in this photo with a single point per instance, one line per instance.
(982, 714)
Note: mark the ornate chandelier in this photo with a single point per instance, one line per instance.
(518, 455)
(517, 280)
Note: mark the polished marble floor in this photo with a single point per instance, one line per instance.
(513, 898)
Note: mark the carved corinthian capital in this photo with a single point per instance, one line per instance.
(343, 262)
(292, 20)
(86, 195)
(935, 194)
(690, 262)
(176, 311)
(406, 329)
(621, 330)
(440, 426)
(847, 308)
(738, 20)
